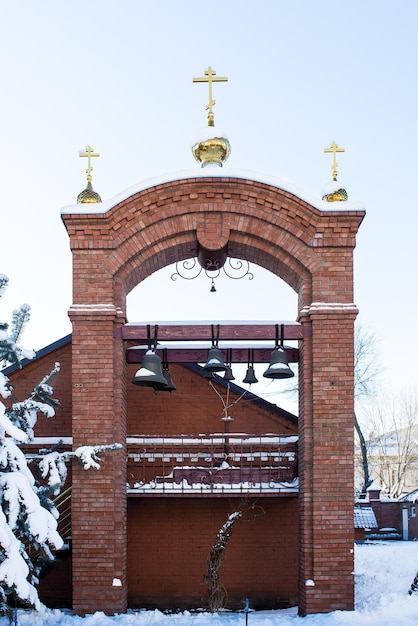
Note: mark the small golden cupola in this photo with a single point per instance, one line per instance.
(88, 195)
(334, 191)
(211, 145)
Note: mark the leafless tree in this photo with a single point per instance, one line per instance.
(366, 374)
(392, 446)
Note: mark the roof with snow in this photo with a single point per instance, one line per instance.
(364, 517)
(38, 355)
(412, 496)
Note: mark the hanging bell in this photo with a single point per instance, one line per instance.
(250, 376)
(150, 373)
(279, 365)
(169, 380)
(214, 362)
(167, 374)
(228, 372)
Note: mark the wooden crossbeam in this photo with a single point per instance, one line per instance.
(199, 355)
(201, 331)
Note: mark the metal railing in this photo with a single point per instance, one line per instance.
(63, 505)
(227, 463)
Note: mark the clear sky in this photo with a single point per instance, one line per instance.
(118, 76)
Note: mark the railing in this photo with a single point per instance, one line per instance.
(63, 504)
(218, 464)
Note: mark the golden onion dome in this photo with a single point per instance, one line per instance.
(211, 146)
(334, 191)
(88, 195)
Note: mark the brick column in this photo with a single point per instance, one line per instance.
(326, 459)
(99, 496)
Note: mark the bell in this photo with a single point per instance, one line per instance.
(228, 373)
(150, 374)
(279, 365)
(215, 362)
(167, 374)
(250, 376)
(169, 380)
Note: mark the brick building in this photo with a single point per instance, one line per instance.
(137, 519)
(396, 518)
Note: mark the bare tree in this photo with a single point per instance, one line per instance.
(366, 373)
(393, 441)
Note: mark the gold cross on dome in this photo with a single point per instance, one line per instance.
(210, 78)
(89, 153)
(334, 149)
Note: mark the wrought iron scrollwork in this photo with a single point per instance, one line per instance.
(233, 268)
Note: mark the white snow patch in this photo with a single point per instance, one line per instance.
(383, 575)
(217, 172)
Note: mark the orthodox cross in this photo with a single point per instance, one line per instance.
(210, 78)
(334, 149)
(89, 153)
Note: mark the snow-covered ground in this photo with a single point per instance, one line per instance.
(383, 576)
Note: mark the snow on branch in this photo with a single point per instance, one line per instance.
(89, 455)
(10, 352)
(19, 420)
(4, 281)
(20, 318)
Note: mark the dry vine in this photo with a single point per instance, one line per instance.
(216, 591)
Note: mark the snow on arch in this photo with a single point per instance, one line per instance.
(218, 172)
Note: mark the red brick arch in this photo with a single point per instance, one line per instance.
(310, 248)
(267, 226)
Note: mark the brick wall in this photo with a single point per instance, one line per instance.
(26, 378)
(169, 542)
(196, 408)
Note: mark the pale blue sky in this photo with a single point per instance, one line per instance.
(118, 76)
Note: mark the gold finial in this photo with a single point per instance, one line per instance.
(88, 195)
(210, 78)
(334, 149)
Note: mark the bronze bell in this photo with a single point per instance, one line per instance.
(169, 380)
(167, 374)
(150, 373)
(215, 362)
(228, 373)
(250, 376)
(279, 365)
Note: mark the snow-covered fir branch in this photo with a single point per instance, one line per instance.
(89, 455)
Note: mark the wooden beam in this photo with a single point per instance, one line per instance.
(201, 331)
(199, 355)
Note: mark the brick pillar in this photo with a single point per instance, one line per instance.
(326, 459)
(99, 496)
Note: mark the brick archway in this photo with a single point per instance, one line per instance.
(311, 249)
